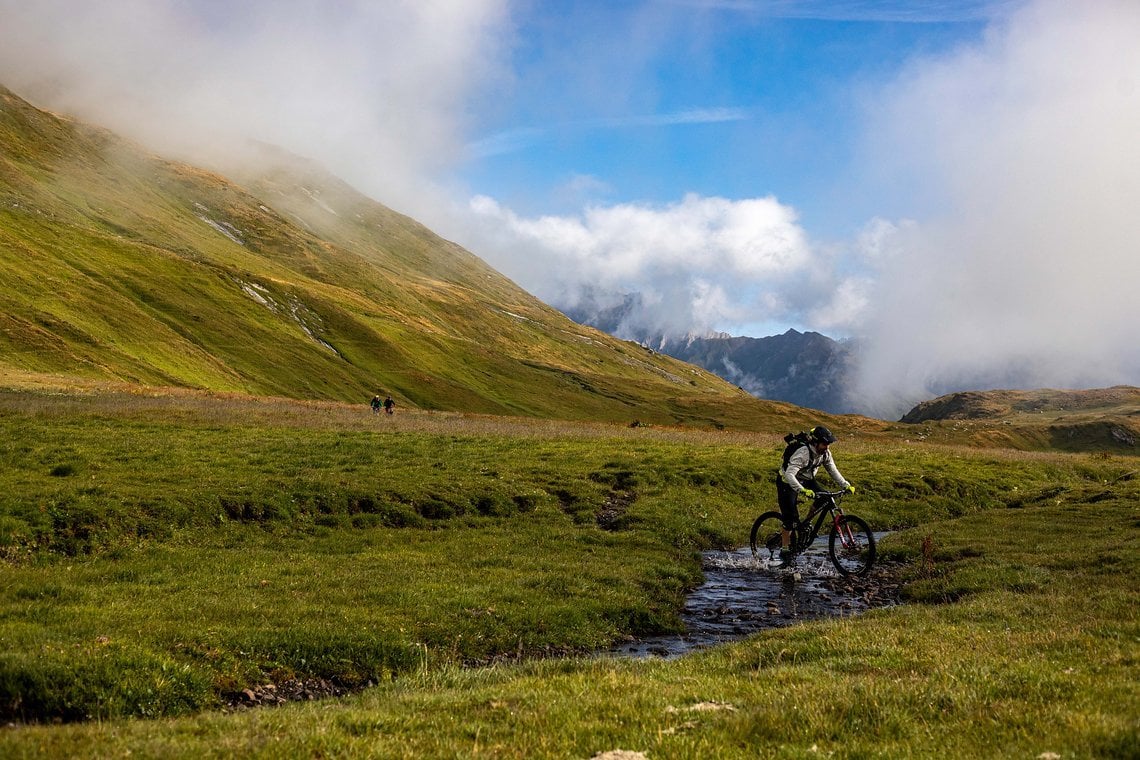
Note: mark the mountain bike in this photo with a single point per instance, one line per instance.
(851, 545)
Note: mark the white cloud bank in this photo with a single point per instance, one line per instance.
(697, 264)
(1027, 274)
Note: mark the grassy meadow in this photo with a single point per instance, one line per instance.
(457, 573)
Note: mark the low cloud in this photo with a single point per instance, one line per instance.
(1023, 272)
(377, 92)
(695, 265)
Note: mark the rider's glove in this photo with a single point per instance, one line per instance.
(808, 493)
(850, 488)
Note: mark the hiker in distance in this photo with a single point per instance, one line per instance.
(376, 405)
(389, 404)
(802, 459)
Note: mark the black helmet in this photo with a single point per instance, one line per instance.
(822, 435)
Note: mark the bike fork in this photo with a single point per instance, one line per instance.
(846, 537)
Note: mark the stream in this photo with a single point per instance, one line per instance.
(740, 596)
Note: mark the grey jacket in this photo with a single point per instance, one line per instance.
(804, 463)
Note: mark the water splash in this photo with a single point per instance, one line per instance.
(742, 596)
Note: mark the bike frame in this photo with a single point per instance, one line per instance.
(826, 504)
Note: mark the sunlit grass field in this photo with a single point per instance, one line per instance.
(162, 552)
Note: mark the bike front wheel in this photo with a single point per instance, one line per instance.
(765, 538)
(851, 546)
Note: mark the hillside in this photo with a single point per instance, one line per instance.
(1101, 419)
(121, 266)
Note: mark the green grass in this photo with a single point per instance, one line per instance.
(434, 538)
(165, 552)
(1001, 673)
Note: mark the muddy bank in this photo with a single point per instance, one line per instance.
(291, 690)
(740, 597)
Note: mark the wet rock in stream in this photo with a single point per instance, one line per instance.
(741, 596)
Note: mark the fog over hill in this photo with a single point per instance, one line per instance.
(1100, 419)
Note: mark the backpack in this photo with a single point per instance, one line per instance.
(794, 441)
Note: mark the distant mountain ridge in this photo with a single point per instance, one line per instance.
(813, 371)
(806, 369)
(121, 265)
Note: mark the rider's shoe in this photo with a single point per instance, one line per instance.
(787, 559)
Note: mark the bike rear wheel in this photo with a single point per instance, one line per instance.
(851, 546)
(766, 535)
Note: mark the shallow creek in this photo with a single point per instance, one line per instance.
(741, 596)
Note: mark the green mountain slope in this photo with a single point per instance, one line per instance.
(119, 265)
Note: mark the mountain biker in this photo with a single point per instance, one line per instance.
(797, 477)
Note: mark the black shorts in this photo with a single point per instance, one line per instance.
(788, 499)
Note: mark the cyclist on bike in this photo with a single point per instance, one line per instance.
(797, 478)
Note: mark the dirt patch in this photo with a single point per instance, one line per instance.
(617, 503)
(292, 690)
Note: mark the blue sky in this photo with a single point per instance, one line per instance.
(647, 102)
(953, 184)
